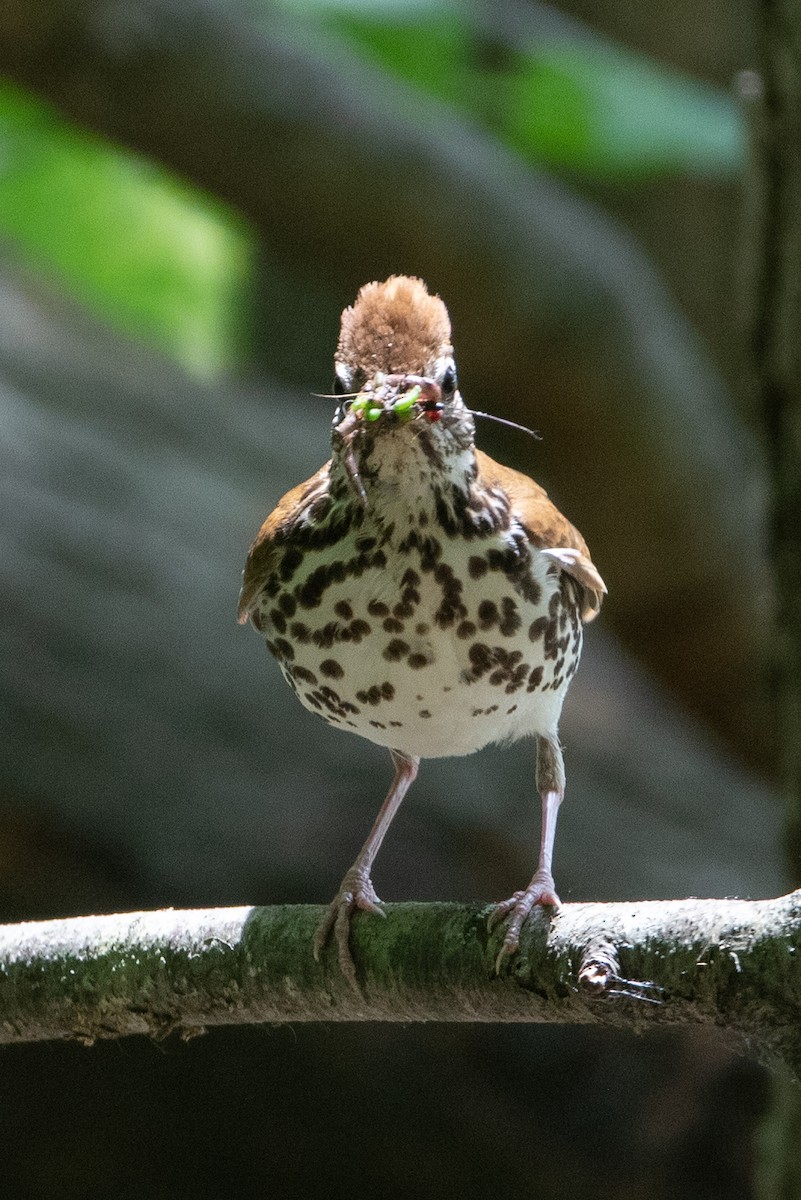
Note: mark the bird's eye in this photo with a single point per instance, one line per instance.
(448, 380)
(342, 381)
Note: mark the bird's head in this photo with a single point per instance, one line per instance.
(395, 372)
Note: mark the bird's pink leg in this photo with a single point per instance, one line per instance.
(356, 890)
(541, 890)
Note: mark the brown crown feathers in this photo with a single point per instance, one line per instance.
(396, 326)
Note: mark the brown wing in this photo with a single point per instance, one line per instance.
(548, 530)
(264, 552)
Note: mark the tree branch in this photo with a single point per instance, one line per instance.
(730, 963)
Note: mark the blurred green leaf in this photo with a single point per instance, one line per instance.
(435, 54)
(151, 255)
(581, 106)
(371, 8)
(596, 110)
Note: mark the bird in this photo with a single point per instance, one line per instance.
(417, 593)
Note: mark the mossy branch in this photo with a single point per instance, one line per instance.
(730, 963)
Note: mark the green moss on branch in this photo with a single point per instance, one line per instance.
(731, 963)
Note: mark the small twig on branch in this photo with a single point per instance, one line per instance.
(730, 963)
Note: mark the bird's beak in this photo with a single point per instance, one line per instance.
(399, 397)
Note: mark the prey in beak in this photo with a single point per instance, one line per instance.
(398, 399)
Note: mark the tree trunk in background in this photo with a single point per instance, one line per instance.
(775, 231)
(777, 357)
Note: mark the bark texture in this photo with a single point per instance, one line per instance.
(731, 963)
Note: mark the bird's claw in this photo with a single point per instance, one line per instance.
(356, 892)
(515, 910)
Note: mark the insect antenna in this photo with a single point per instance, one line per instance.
(334, 395)
(505, 421)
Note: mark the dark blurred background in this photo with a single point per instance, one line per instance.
(190, 192)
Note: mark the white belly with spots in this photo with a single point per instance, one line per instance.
(431, 652)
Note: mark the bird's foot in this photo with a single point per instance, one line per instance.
(515, 910)
(356, 892)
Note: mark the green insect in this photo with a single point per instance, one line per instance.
(404, 404)
(371, 407)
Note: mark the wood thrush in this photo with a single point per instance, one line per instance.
(416, 592)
